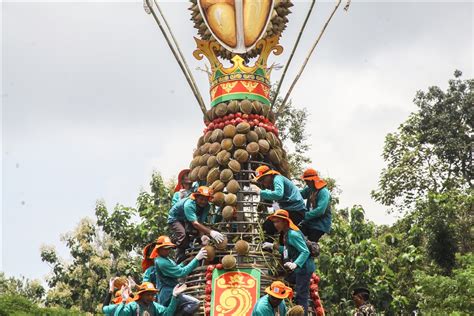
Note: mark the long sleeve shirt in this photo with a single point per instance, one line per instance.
(285, 193)
(318, 215)
(187, 210)
(295, 250)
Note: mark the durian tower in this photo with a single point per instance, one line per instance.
(239, 136)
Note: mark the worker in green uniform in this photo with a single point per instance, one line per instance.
(282, 191)
(191, 211)
(317, 220)
(273, 303)
(168, 273)
(295, 255)
(108, 308)
(143, 303)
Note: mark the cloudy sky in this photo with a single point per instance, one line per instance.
(93, 102)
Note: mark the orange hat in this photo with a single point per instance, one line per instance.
(311, 174)
(143, 288)
(147, 262)
(284, 215)
(279, 290)
(181, 175)
(202, 190)
(118, 297)
(162, 241)
(264, 171)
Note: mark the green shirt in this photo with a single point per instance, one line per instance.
(285, 193)
(168, 273)
(318, 216)
(109, 310)
(187, 210)
(264, 308)
(154, 309)
(295, 250)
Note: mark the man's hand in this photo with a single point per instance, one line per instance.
(125, 293)
(131, 282)
(178, 289)
(267, 246)
(202, 254)
(205, 240)
(111, 284)
(218, 237)
(255, 188)
(290, 265)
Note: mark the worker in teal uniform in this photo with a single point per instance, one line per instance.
(189, 214)
(273, 303)
(168, 273)
(282, 191)
(295, 255)
(318, 219)
(108, 308)
(144, 304)
(183, 188)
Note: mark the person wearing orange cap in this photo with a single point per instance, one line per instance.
(107, 308)
(184, 187)
(281, 190)
(274, 302)
(148, 266)
(318, 219)
(144, 302)
(168, 273)
(296, 255)
(192, 210)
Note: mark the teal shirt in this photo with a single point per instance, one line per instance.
(285, 193)
(168, 273)
(150, 276)
(154, 309)
(318, 217)
(297, 251)
(109, 310)
(181, 194)
(264, 308)
(187, 210)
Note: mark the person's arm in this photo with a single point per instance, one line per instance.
(127, 310)
(173, 270)
(107, 299)
(278, 190)
(109, 309)
(305, 192)
(166, 311)
(296, 240)
(323, 202)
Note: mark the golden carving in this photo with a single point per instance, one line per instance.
(228, 86)
(250, 86)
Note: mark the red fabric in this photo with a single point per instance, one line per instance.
(181, 175)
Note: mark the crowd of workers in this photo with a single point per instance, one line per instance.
(297, 225)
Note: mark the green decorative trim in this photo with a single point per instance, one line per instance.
(240, 96)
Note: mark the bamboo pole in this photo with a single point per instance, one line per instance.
(280, 109)
(292, 53)
(151, 11)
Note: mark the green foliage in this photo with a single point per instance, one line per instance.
(33, 290)
(432, 150)
(441, 295)
(351, 257)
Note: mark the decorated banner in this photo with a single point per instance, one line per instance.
(234, 292)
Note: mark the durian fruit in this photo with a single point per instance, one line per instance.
(246, 107)
(212, 162)
(228, 212)
(263, 146)
(193, 175)
(239, 140)
(221, 109)
(241, 155)
(226, 175)
(202, 174)
(227, 144)
(257, 107)
(207, 136)
(233, 106)
(213, 175)
(252, 148)
(204, 149)
(275, 158)
(296, 310)
(243, 128)
(242, 247)
(223, 157)
(229, 262)
(214, 148)
(218, 198)
(229, 131)
(216, 136)
(233, 186)
(223, 244)
(230, 199)
(217, 186)
(211, 252)
(195, 162)
(234, 165)
(252, 136)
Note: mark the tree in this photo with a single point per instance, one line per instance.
(432, 150)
